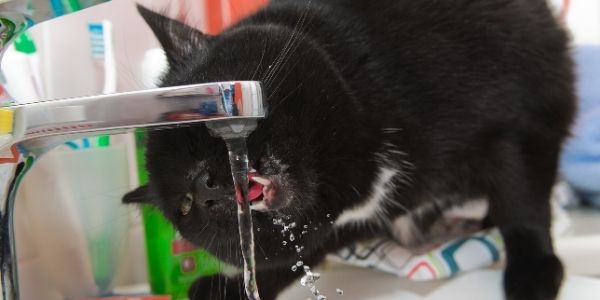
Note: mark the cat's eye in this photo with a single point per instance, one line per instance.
(186, 205)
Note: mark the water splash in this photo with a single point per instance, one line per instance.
(309, 280)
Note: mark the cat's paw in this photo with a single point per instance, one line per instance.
(216, 287)
(535, 278)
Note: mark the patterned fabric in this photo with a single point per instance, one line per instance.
(476, 251)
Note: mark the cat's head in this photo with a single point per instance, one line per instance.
(299, 152)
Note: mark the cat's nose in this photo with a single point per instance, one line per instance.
(210, 193)
(209, 183)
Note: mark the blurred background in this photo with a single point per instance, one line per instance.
(75, 240)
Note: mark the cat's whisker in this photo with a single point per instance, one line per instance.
(286, 97)
(212, 239)
(212, 279)
(287, 54)
(391, 130)
(282, 55)
(282, 79)
(261, 248)
(262, 56)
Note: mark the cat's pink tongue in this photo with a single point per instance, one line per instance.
(255, 190)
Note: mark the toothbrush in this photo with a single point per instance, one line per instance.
(110, 66)
(57, 8)
(71, 5)
(26, 45)
(102, 47)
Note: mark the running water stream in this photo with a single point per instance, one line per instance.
(238, 158)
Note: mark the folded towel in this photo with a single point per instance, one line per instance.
(477, 251)
(471, 250)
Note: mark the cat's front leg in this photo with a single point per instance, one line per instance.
(219, 287)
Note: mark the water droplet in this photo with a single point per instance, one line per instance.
(284, 243)
(330, 222)
(321, 297)
(294, 268)
(257, 228)
(293, 225)
(299, 263)
(304, 280)
(306, 268)
(292, 237)
(339, 291)
(328, 215)
(316, 228)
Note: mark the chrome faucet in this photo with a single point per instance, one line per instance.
(27, 131)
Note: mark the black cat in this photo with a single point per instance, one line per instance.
(381, 115)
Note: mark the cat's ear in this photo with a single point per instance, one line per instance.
(141, 195)
(178, 40)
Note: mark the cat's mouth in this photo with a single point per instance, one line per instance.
(262, 192)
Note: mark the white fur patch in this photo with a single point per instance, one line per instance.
(404, 230)
(373, 206)
(474, 209)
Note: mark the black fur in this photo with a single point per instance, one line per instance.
(469, 98)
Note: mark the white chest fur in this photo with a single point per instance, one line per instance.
(372, 208)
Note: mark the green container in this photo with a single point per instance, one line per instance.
(173, 263)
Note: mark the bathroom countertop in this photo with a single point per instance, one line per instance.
(360, 283)
(367, 284)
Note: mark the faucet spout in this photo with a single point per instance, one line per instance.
(42, 125)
